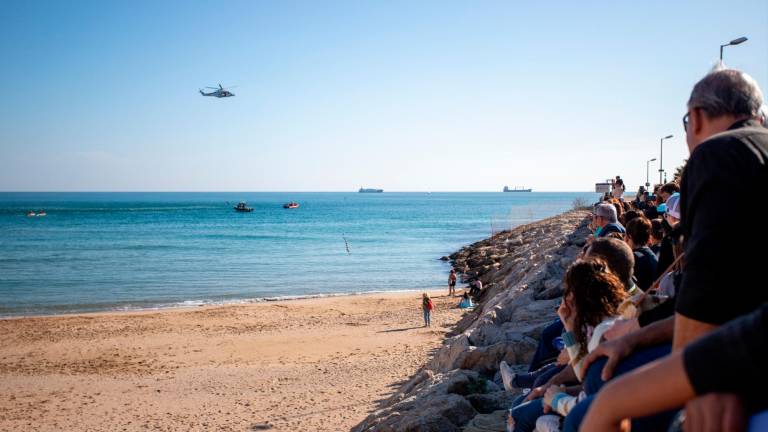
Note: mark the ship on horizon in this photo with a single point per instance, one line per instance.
(370, 190)
(522, 189)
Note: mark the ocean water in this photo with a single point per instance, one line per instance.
(118, 251)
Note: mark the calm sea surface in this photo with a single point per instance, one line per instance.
(116, 251)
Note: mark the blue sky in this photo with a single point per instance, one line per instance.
(410, 96)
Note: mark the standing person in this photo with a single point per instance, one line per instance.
(426, 307)
(452, 283)
(618, 188)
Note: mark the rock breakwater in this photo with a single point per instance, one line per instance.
(459, 388)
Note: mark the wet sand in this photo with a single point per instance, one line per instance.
(315, 364)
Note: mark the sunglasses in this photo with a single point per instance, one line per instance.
(686, 119)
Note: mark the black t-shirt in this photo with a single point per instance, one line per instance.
(732, 359)
(645, 267)
(722, 210)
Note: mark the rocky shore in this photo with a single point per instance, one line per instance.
(460, 388)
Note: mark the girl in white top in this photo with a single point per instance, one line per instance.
(590, 306)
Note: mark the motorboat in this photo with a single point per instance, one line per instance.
(291, 205)
(243, 208)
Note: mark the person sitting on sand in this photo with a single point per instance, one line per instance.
(426, 307)
(452, 283)
(466, 302)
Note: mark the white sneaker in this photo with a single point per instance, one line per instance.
(507, 376)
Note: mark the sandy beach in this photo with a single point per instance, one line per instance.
(315, 364)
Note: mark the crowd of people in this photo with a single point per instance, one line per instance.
(663, 323)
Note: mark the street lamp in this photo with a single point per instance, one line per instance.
(661, 156)
(647, 171)
(733, 42)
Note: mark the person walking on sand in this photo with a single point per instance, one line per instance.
(452, 283)
(426, 307)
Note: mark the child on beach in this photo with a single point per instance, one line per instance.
(426, 307)
(466, 302)
(452, 283)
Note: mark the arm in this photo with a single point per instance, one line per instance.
(564, 376)
(714, 365)
(687, 330)
(632, 396)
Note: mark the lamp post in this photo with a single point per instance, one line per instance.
(661, 157)
(647, 172)
(733, 42)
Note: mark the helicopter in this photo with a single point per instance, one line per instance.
(219, 92)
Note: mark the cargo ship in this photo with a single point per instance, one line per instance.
(369, 190)
(507, 189)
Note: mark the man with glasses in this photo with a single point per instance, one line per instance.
(723, 278)
(605, 218)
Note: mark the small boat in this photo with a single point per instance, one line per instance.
(31, 213)
(41, 213)
(243, 208)
(370, 190)
(291, 205)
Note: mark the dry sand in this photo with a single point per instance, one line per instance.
(314, 365)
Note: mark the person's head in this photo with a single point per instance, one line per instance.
(453, 271)
(667, 190)
(657, 230)
(466, 295)
(592, 293)
(638, 232)
(629, 215)
(619, 210)
(604, 214)
(672, 215)
(425, 296)
(719, 100)
(617, 254)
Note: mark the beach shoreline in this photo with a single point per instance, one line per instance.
(195, 305)
(320, 363)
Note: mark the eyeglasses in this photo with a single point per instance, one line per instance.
(686, 117)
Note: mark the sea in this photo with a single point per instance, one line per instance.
(126, 251)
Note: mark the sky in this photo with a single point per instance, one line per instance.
(331, 96)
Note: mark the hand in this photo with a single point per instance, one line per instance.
(615, 350)
(536, 392)
(714, 412)
(566, 315)
(620, 328)
(549, 394)
(563, 358)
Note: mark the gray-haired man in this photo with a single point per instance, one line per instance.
(723, 278)
(605, 218)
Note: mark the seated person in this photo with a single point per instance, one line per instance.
(465, 302)
(606, 219)
(720, 379)
(590, 301)
(638, 236)
(728, 150)
(475, 288)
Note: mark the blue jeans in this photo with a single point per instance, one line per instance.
(593, 383)
(426, 318)
(538, 377)
(546, 351)
(526, 414)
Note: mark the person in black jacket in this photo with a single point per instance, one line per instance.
(638, 236)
